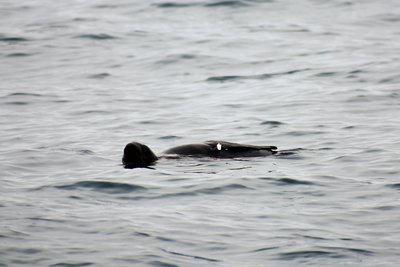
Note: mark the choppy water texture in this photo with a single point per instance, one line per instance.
(80, 79)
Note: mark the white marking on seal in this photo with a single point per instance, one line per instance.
(219, 146)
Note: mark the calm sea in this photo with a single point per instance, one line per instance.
(80, 79)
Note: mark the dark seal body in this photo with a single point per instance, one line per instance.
(222, 149)
(139, 155)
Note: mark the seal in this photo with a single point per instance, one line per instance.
(139, 155)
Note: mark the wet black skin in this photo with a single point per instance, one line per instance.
(139, 155)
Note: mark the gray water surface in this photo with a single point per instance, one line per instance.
(80, 79)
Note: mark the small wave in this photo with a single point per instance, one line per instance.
(175, 5)
(312, 237)
(309, 254)
(169, 137)
(100, 36)
(46, 219)
(13, 39)
(374, 98)
(357, 250)
(288, 181)
(26, 250)
(324, 252)
(18, 55)
(145, 122)
(142, 234)
(195, 192)
(326, 74)
(273, 124)
(389, 17)
(351, 127)
(394, 186)
(226, 78)
(386, 207)
(79, 264)
(303, 133)
(226, 3)
(103, 186)
(190, 256)
(394, 95)
(357, 71)
(264, 249)
(93, 112)
(289, 154)
(170, 59)
(17, 103)
(24, 94)
(291, 181)
(207, 191)
(162, 264)
(107, 6)
(23, 98)
(359, 98)
(252, 77)
(392, 79)
(99, 75)
(219, 189)
(85, 152)
(61, 101)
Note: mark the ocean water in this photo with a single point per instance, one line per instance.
(80, 79)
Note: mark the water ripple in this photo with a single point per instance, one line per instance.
(79, 264)
(207, 191)
(288, 181)
(219, 189)
(19, 55)
(24, 98)
(264, 76)
(223, 3)
(227, 3)
(394, 186)
(190, 193)
(103, 186)
(264, 249)
(169, 137)
(309, 254)
(190, 256)
(162, 264)
(100, 36)
(13, 39)
(273, 124)
(324, 252)
(23, 94)
(102, 75)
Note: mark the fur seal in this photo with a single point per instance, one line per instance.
(138, 155)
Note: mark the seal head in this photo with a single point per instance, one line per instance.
(137, 155)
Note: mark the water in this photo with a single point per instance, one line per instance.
(81, 79)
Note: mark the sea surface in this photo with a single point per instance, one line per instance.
(80, 79)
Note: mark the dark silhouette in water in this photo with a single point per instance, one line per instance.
(137, 155)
